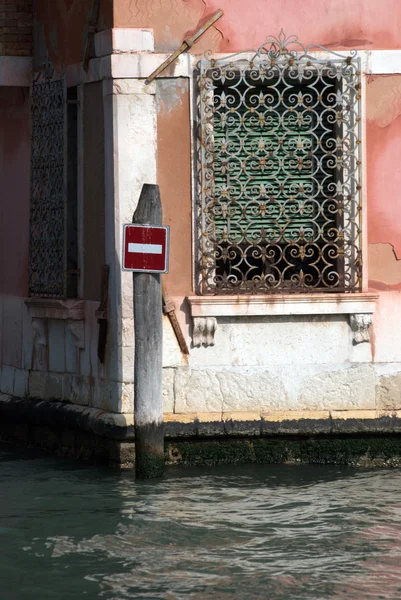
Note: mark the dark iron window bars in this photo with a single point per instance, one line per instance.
(279, 204)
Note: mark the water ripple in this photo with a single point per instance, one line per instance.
(273, 532)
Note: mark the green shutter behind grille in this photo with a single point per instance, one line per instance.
(263, 165)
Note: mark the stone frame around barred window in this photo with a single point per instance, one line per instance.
(204, 272)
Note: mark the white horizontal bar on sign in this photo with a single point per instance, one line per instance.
(145, 248)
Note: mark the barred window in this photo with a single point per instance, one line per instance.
(279, 172)
(53, 239)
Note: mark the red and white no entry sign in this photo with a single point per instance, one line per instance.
(145, 248)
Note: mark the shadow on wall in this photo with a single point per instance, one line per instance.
(15, 185)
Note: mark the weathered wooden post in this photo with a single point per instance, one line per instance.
(148, 327)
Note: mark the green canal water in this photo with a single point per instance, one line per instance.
(69, 531)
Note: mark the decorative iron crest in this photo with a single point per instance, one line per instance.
(47, 251)
(279, 170)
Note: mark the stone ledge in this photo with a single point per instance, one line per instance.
(365, 438)
(279, 423)
(118, 426)
(63, 415)
(50, 308)
(279, 305)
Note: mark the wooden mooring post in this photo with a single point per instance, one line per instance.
(148, 328)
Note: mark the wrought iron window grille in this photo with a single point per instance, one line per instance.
(53, 204)
(279, 171)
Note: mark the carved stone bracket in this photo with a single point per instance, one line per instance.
(360, 326)
(204, 331)
(76, 331)
(39, 327)
(40, 350)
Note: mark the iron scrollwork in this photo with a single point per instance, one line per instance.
(279, 177)
(47, 252)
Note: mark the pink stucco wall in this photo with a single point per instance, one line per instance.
(363, 24)
(366, 24)
(336, 24)
(14, 190)
(383, 144)
(383, 165)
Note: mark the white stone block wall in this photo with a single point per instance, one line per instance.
(290, 363)
(273, 363)
(256, 364)
(52, 363)
(130, 158)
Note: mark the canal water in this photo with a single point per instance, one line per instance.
(69, 531)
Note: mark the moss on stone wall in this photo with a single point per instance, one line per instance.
(377, 451)
(101, 438)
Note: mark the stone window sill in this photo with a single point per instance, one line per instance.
(50, 308)
(276, 305)
(205, 309)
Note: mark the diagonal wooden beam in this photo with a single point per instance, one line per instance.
(186, 44)
(169, 310)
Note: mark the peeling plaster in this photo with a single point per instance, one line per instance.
(384, 99)
(383, 134)
(170, 94)
(395, 254)
(384, 265)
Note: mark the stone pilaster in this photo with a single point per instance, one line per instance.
(130, 159)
